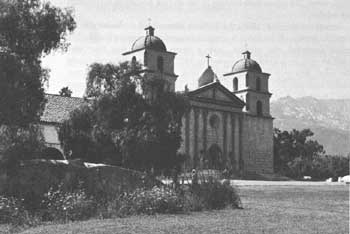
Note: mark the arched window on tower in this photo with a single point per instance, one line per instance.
(235, 84)
(145, 58)
(160, 63)
(259, 108)
(258, 84)
(247, 80)
(133, 63)
(247, 101)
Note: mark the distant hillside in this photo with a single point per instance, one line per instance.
(329, 119)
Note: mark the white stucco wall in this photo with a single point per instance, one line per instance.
(50, 134)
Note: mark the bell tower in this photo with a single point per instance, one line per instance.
(247, 81)
(156, 61)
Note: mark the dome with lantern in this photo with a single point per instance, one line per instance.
(149, 41)
(246, 64)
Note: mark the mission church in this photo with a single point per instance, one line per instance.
(228, 124)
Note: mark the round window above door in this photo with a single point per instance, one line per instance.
(214, 121)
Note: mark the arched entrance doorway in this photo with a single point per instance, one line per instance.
(52, 153)
(214, 157)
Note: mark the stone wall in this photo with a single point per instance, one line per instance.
(37, 176)
(257, 144)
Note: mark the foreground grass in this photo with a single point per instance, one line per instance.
(267, 209)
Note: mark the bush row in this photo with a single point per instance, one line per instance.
(61, 206)
(325, 167)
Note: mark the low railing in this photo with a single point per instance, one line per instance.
(194, 176)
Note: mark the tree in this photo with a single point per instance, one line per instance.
(22, 96)
(294, 152)
(29, 29)
(330, 166)
(108, 78)
(65, 92)
(78, 142)
(120, 126)
(20, 144)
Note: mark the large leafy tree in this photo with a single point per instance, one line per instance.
(109, 78)
(327, 166)
(119, 126)
(294, 152)
(65, 92)
(29, 29)
(18, 144)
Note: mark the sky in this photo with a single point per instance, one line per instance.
(304, 45)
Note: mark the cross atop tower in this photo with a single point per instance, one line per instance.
(149, 22)
(208, 58)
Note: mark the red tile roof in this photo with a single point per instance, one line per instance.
(57, 108)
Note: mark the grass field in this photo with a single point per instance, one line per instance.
(267, 209)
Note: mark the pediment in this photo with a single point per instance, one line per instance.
(206, 94)
(215, 92)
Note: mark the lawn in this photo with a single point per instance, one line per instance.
(267, 209)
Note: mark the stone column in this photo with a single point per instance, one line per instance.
(233, 136)
(187, 132)
(205, 121)
(241, 160)
(224, 116)
(195, 133)
(204, 135)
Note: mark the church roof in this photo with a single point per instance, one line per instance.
(207, 77)
(57, 108)
(148, 42)
(246, 64)
(209, 93)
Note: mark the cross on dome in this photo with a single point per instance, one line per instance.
(208, 58)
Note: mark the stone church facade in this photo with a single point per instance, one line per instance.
(229, 123)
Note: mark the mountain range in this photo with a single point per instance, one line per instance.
(329, 119)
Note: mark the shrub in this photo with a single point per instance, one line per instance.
(192, 201)
(60, 205)
(77, 205)
(329, 166)
(19, 144)
(213, 194)
(13, 212)
(155, 200)
(110, 208)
